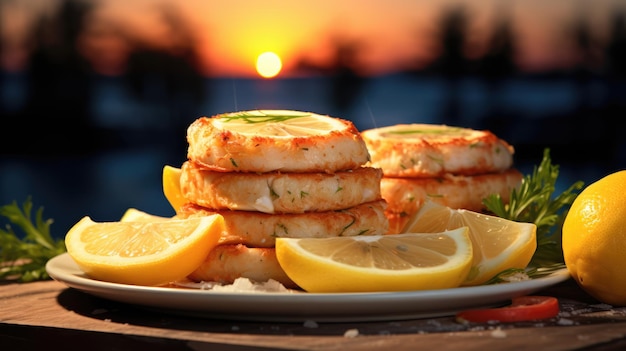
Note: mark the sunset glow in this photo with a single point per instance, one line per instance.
(228, 36)
(268, 64)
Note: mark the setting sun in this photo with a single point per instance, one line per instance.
(268, 65)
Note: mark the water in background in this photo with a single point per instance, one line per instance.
(91, 115)
(117, 163)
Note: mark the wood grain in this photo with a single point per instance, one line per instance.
(34, 315)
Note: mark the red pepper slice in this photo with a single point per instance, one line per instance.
(523, 308)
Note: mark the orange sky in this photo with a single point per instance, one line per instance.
(394, 32)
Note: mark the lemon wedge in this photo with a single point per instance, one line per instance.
(398, 262)
(498, 243)
(171, 187)
(135, 215)
(142, 253)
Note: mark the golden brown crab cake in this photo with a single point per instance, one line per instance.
(275, 140)
(257, 229)
(225, 263)
(405, 196)
(278, 192)
(429, 150)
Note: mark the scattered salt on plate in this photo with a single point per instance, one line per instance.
(240, 285)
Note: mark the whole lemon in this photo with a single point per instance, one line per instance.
(594, 239)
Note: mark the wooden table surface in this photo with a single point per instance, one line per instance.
(41, 315)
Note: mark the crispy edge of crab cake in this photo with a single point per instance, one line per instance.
(257, 229)
(429, 150)
(278, 192)
(224, 150)
(405, 196)
(225, 263)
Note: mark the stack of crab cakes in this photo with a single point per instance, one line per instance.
(277, 173)
(453, 166)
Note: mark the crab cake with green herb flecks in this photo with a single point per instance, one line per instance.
(280, 192)
(275, 140)
(405, 196)
(257, 229)
(429, 150)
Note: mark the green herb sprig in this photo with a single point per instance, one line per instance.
(23, 257)
(261, 117)
(535, 202)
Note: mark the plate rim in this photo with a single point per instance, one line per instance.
(265, 307)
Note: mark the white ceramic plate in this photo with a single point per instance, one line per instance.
(298, 307)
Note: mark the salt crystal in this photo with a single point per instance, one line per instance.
(565, 321)
(240, 285)
(310, 324)
(351, 333)
(498, 333)
(516, 277)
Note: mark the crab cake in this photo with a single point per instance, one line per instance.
(428, 150)
(405, 196)
(258, 229)
(279, 192)
(276, 173)
(225, 263)
(275, 140)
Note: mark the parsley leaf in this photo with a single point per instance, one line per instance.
(535, 202)
(23, 256)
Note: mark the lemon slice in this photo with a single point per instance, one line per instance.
(275, 140)
(499, 244)
(142, 253)
(171, 187)
(398, 262)
(278, 123)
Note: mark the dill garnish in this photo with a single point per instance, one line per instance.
(443, 131)
(273, 192)
(23, 257)
(343, 230)
(261, 117)
(516, 274)
(535, 202)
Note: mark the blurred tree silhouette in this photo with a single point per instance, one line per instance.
(615, 108)
(56, 114)
(495, 67)
(616, 47)
(177, 64)
(343, 68)
(585, 46)
(168, 76)
(347, 82)
(451, 63)
(498, 62)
